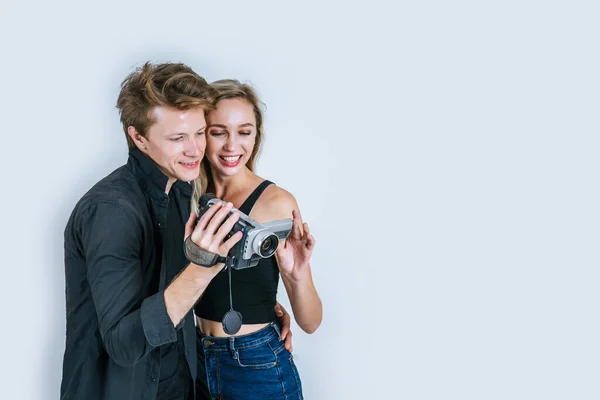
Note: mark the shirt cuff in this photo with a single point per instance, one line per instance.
(158, 328)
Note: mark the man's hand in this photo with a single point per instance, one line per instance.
(209, 232)
(286, 332)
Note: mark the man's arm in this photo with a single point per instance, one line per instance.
(111, 241)
(130, 326)
(208, 234)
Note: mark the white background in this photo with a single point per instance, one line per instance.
(444, 153)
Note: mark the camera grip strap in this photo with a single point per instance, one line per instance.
(199, 256)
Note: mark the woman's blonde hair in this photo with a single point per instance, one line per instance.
(231, 89)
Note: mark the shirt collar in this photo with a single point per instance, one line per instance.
(153, 180)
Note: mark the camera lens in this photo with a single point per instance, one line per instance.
(268, 246)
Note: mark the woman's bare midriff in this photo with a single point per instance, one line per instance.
(213, 328)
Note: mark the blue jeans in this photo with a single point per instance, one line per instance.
(253, 366)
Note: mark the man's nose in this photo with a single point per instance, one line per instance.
(192, 148)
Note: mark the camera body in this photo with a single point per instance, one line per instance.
(258, 240)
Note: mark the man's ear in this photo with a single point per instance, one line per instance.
(138, 139)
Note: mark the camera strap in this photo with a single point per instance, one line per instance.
(232, 320)
(199, 256)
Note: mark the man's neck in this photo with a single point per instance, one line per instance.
(170, 183)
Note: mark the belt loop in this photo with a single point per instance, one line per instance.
(232, 349)
(277, 329)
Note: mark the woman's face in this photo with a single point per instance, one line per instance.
(231, 133)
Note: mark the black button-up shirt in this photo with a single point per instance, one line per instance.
(175, 382)
(115, 276)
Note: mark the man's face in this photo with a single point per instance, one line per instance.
(175, 142)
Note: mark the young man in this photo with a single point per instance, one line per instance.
(129, 287)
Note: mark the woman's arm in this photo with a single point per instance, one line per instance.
(293, 259)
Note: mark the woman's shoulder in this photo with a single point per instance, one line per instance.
(276, 203)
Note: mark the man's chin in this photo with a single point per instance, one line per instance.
(187, 176)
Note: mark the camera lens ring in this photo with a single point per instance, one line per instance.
(266, 244)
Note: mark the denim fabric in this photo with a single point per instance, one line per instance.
(253, 366)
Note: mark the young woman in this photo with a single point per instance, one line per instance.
(252, 363)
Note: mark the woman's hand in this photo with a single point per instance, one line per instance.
(293, 254)
(286, 332)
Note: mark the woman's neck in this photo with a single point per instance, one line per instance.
(227, 187)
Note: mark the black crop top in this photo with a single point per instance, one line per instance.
(254, 290)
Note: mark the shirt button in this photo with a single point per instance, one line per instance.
(153, 379)
(160, 225)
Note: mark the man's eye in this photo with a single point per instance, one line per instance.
(176, 139)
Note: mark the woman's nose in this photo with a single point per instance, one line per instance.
(230, 143)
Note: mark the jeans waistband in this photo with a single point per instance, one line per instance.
(240, 342)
